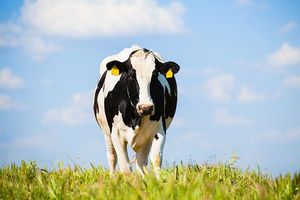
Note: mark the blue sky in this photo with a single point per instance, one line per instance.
(239, 83)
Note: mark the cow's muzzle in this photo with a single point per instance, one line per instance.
(145, 109)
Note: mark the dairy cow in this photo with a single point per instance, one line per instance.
(134, 104)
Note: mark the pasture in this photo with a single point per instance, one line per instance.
(220, 181)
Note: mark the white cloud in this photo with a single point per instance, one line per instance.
(219, 87)
(223, 118)
(284, 57)
(16, 36)
(10, 80)
(243, 3)
(9, 35)
(74, 114)
(35, 140)
(223, 88)
(70, 115)
(83, 18)
(289, 82)
(247, 96)
(6, 103)
(288, 27)
(9, 104)
(292, 81)
(278, 136)
(38, 48)
(87, 18)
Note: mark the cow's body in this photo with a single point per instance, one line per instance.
(134, 103)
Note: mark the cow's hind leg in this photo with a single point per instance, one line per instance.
(142, 158)
(110, 153)
(120, 146)
(156, 153)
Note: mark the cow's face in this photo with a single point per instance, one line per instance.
(137, 75)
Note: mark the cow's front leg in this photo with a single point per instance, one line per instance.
(121, 149)
(156, 153)
(142, 158)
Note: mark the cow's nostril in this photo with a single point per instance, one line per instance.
(145, 109)
(149, 109)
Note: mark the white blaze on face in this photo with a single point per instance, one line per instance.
(144, 64)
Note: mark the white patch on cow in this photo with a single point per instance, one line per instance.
(156, 152)
(110, 153)
(144, 64)
(121, 57)
(140, 135)
(101, 117)
(146, 132)
(120, 140)
(137, 138)
(142, 158)
(126, 132)
(110, 82)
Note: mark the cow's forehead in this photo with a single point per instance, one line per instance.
(143, 62)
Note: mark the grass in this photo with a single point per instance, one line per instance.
(221, 181)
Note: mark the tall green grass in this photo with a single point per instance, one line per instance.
(221, 181)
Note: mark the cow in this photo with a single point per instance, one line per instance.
(134, 103)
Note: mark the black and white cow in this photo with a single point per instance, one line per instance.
(134, 103)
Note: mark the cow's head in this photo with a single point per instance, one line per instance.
(138, 76)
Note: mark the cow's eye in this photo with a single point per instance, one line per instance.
(131, 75)
(155, 73)
(131, 78)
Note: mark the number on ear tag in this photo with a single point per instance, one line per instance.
(169, 74)
(115, 71)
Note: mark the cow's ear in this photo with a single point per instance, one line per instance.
(170, 68)
(115, 67)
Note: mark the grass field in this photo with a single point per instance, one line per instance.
(220, 181)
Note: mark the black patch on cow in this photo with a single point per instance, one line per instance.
(99, 86)
(156, 137)
(171, 99)
(123, 98)
(164, 67)
(157, 95)
(118, 64)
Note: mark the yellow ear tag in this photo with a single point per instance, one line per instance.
(115, 71)
(169, 74)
